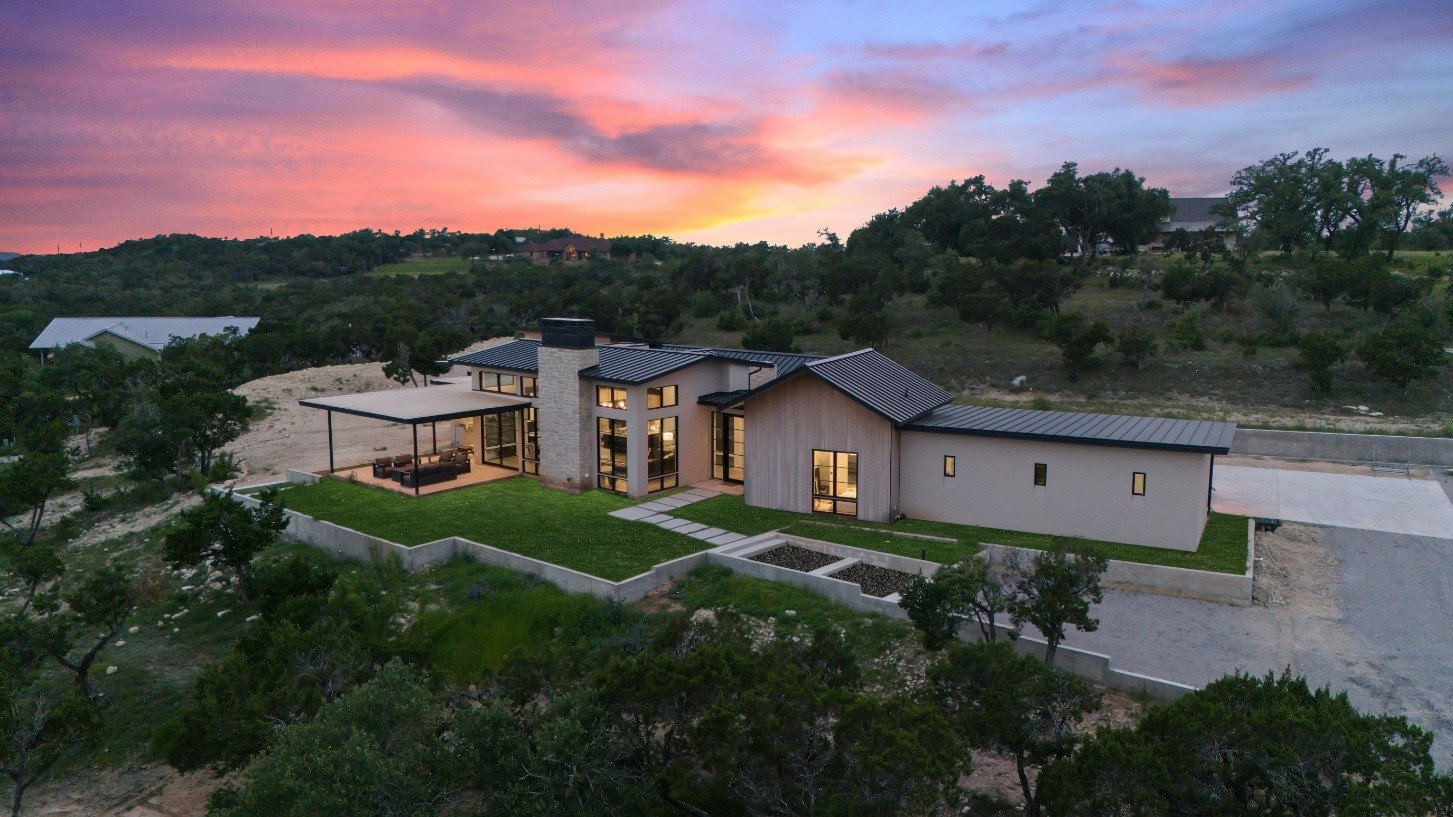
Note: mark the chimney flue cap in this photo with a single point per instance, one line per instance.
(567, 333)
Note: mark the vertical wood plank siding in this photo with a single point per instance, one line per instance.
(785, 423)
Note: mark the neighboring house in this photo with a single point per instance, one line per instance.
(1194, 215)
(7, 272)
(133, 337)
(856, 434)
(567, 248)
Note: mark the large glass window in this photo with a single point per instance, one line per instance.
(728, 447)
(612, 453)
(532, 439)
(529, 387)
(835, 482)
(610, 397)
(661, 453)
(660, 397)
(496, 382)
(500, 446)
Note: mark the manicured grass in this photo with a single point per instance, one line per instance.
(518, 515)
(423, 266)
(1222, 549)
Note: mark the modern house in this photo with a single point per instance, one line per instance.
(133, 337)
(854, 435)
(1196, 215)
(566, 248)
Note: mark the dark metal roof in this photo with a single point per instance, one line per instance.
(1193, 214)
(881, 383)
(515, 356)
(638, 364)
(782, 362)
(721, 399)
(1201, 436)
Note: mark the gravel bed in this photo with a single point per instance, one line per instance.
(795, 558)
(875, 581)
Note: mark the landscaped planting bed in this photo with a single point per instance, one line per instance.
(874, 580)
(795, 558)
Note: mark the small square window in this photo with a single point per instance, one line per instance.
(610, 397)
(660, 397)
(1137, 483)
(950, 465)
(1041, 473)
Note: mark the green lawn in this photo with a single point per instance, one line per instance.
(518, 515)
(1223, 545)
(423, 266)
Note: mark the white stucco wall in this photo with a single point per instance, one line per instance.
(1088, 491)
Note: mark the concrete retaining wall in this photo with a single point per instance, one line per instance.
(907, 564)
(1334, 447)
(1206, 585)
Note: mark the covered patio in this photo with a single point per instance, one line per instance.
(429, 469)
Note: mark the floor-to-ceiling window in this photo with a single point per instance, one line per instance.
(728, 447)
(500, 445)
(835, 482)
(661, 468)
(531, 418)
(611, 466)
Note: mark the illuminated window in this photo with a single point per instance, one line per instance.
(496, 382)
(661, 453)
(1137, 483)
(950, 465)
(532, 439)
(610, 397)
(529, 387)
(1041, 473)
(835, 482)
(660, 397)
(612, 454)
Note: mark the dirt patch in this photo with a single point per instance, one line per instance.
(288, 435)
(660, 601)
(150, 790)
(1296, 570)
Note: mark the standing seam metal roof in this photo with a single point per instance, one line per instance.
(154, 333)
(516, 356)
(1203, 436)
(881, 383)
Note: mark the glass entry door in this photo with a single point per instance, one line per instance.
(500, 446)
(728, 447)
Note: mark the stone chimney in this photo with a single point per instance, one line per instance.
(567, 432)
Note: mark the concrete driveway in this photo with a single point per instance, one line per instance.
(1416, 507)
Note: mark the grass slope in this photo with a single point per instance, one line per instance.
(517, 515)
(1222, 549)
(423, 266)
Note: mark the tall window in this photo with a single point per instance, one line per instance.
(529, 387)
(950, 465)
(610, 397)
(835, 482)
(494, 381)
(728, 447)
(532, 439)
(661, 453)
(499, 440)
(1041, 473)
(612, 453)
(1137, 483)
(660, 397)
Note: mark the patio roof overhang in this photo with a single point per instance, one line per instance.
(418, 405)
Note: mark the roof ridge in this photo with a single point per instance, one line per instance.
(843, 356)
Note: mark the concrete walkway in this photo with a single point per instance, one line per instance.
(658, 512)
(1415, 507)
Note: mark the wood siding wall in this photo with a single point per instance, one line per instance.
(784, 425)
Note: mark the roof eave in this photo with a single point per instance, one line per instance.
(1054, 438)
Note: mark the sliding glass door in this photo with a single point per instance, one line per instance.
(499, 440)
(728, 447)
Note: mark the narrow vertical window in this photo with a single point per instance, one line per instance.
(1137, 483)
(1041, 473)
(950, 465)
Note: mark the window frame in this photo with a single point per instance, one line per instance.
(527, 386)
(617, 478)
(530, 439)
(1142, 479)
(836, 503)
(499, 382)
(1041, 475)
(659, 393)
(657, 447)
(612, 397)
(950, 466)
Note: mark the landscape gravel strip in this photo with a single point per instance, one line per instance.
(795, 558)
(875, 581)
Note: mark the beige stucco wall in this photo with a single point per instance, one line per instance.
(784, 425)
(128, 349)
(1088, 491)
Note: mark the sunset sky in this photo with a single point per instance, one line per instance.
(706, 121)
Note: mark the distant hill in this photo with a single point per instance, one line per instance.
(6, 256)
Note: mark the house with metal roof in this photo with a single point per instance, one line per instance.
(856, 435)
(134, 337)
(566, 248)
(1197, 216)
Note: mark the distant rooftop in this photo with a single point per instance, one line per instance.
(154, 333)
(1193, 214)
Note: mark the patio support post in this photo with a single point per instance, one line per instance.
(434, 435)
(330, 442)
(1210, 481)
(416, 459)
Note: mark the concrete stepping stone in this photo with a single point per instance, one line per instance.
(707, 534)
(690, 527)
(726, 538)
(672, 523)
(656, 518)
(632, 513)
